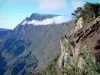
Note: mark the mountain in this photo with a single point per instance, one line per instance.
(4, 32)
(40, 17)
(44, 19)
(3, 29)
(30, 47)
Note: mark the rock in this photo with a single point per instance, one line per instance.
(88, 35)
(63, 59)
(83, 35)
(81, 62)
(78, 26)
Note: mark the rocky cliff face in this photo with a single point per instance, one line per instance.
(78, 26)
(86, 36)
(64, 52)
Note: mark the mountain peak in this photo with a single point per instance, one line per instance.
(40, 17)
(44, 19)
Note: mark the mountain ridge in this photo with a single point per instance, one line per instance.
(44, 19)
(29, 48)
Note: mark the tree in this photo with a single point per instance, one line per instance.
(88, 12)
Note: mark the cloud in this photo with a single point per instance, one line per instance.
(55, 20)
(51, 4)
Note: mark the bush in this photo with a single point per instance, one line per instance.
(90, 68)
(88, 12)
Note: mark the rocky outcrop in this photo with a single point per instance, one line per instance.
(78, 26)
(63, 59)
(88, 35)
(70, 55)
(85, 36)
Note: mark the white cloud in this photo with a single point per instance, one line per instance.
(51, 4)
(55, 20)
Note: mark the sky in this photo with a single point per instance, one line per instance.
(13, 12)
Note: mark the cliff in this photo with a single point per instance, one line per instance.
(80, 49)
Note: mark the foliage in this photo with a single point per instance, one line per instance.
(88, 12)
(87, 56)
(50, 70)
(64, 41)
(90, 68)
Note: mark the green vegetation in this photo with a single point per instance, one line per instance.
(64, 41)
(52, 69)
(90, 68)
(88, 12)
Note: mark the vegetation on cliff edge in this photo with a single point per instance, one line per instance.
(88, 12)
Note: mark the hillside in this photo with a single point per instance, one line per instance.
(46, 44)
(30, 48)
(80, 53)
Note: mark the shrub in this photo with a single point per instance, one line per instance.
(88, 12)
(90, 68)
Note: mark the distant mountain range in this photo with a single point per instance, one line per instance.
(3, 29)
(30, 47)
